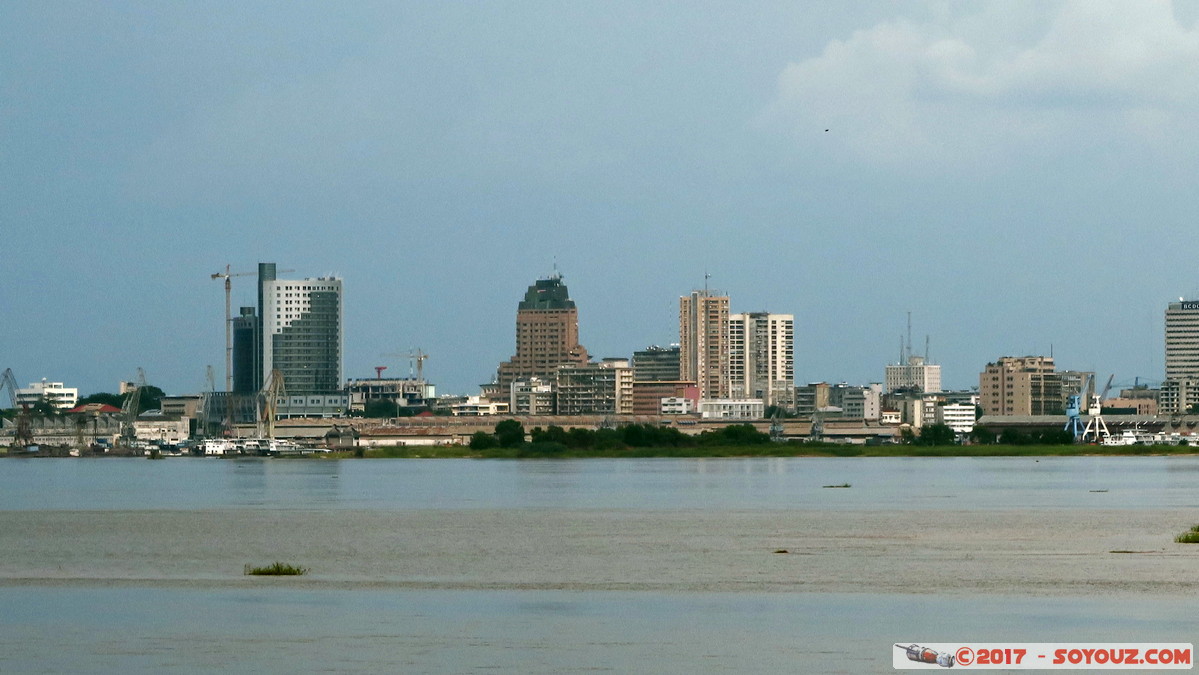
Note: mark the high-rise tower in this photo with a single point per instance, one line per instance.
(762, 357)
(704, 342)
(547, 335)
(301, 332)
(1182, 340)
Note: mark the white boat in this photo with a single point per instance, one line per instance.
(216, 447)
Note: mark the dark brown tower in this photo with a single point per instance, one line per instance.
(547, 335)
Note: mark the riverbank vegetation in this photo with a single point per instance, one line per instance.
(511, 441)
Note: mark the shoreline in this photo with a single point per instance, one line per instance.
(772, 450)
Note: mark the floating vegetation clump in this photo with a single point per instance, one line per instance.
(277, 569)
(1191, 536)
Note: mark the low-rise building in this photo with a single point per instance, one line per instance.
(312, 405)
(402, 391)
(811, 397)
(857, 402)
(957, 416)
(604, 388)
(648, 395)
(54, 393)
(1130, 406)
(475, 406)
(738, 409)
(171, 429)
(1178, 397)
(533, 396)
(676, 405)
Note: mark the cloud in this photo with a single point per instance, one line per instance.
(998, 82)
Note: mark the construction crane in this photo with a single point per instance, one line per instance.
(228, 275)
(379, 372)
(415, 356)
(24, 435)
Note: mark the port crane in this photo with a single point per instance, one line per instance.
(24, 435)
(1096, 428)
(129, 409)
(268, 400)
(1074, 410)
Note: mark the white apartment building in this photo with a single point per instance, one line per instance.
(915, 375)
(302, 334)
(957, 416)
(54, 393)
(733, 409)
(675, 405)
(475, 406)
(762, 357)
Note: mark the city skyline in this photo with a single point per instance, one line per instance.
(1008, 172)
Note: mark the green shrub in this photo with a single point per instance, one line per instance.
(277, 569)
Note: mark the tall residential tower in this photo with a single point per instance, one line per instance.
(704, 342)
(762, 357)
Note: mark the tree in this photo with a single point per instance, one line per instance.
(43, 408)
(937, 434)
(104, 398)
(1012, 437)
(379, 408)
(554, 434)
(149, 397)
(510, 433)
(481, 440)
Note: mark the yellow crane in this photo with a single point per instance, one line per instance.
(269, 397)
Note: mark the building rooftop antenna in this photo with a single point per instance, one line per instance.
(909, 335)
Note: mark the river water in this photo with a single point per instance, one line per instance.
(462, 566)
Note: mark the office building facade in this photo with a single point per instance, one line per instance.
(656, 364)
(915, 375)
(1025, 385)
(1182, 340)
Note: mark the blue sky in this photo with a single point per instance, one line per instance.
(1017, 175)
